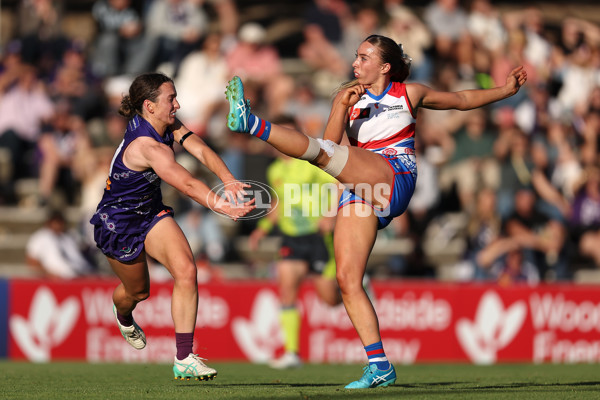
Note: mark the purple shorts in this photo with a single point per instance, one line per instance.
(126, 246)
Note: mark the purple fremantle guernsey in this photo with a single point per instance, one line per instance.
(132, 200)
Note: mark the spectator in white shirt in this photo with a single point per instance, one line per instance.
(54, 253)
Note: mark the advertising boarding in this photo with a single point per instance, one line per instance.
(239, 321)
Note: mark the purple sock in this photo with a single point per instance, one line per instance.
(184, 343)
(125, 320)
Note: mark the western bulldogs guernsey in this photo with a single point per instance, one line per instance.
(132, 200)
(385, 125)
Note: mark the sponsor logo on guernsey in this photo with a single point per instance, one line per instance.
(393, 108)
(360, 113)
(151, 176)
(121, 175)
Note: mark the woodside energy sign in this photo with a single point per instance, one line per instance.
(238, 320)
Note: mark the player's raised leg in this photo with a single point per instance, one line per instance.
(350, 165)
(240, 119)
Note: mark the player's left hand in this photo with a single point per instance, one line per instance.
(516, 79)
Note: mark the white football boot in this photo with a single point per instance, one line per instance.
(133, 334)
(193, 367)
(287, 360)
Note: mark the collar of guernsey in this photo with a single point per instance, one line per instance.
(383, 124)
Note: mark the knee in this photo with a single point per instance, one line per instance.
(332, 299)
(343, 280)
(328, 291)
(321, 160)
(348, 282)
(186, 275)
(141, 294)
(337, 157)
(327, 155)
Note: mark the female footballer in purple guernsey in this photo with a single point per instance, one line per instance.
(378, 112)
(131, 221)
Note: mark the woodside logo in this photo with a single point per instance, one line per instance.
(493, 328)
(47, 325)
(259, 335)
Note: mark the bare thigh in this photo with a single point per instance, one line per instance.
(368, 175)
(167, 244)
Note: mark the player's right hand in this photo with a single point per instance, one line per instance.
(350, 96)
(232, 209)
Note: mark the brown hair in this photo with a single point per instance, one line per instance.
(144, 87)
(392, 53)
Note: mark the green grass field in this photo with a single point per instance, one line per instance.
(248, 381)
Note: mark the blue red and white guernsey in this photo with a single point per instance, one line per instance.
(132, 201)
(385, 125)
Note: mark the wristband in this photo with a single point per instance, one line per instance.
(185, 137)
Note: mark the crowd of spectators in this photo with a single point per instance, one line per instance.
(520, 178)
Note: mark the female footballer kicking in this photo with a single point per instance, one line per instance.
(378, 112)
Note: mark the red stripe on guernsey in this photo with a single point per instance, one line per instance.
(261, 130)
(399, 90)
(408, 101)
(405, 133)
(375, 352)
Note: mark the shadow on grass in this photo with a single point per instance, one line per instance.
(508, 385)
(459, 386)
(529, 384)
(268, 384)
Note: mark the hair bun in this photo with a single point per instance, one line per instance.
(405, 57)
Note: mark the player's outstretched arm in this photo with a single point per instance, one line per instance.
(423, 96)
(203, 153)
(148, 153)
